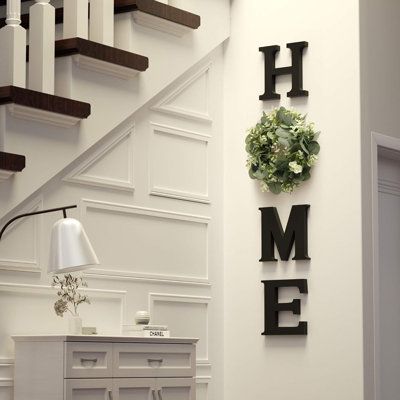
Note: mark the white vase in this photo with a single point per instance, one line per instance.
(75, 325)
(142, 317)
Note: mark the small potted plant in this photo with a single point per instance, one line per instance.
(69, 298)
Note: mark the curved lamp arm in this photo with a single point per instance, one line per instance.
(50, 210)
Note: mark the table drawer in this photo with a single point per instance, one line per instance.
(88, 360)
(153, 360)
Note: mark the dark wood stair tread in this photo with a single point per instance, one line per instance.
(163, 11)
(44, 102)
(4, 2)
(67, 47)
(151, 7)
(11, 162)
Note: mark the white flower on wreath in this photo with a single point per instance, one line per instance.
(296, 168)
(312, 160)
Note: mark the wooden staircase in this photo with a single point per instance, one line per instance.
(60, 111)
(150, 7)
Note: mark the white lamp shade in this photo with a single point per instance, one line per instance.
(70, 249)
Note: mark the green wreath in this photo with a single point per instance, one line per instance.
(282, 148)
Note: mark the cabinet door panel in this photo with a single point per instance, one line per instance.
(88, 389)
(176, 389)
(134, 389)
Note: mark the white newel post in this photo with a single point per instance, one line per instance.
(76, 14)
(102, 21)
(13, 47)
(41, 46)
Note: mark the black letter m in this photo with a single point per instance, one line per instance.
(296, 233)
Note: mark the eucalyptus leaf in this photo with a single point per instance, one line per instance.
(303, 146)
(270, 135)
(251, 174)
(285, 175)
(283, 133)
(296, 147)
(282, 164)
(263, 119)
(284, 117)
(283, 142)
(260, 175)
(314, 147)
(275, 187)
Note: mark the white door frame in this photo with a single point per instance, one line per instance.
(392, 143)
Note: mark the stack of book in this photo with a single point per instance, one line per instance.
(160, 331)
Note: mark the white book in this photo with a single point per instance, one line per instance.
(149, 333)
(134, 328)
(155, 333)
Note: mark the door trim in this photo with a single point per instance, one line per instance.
(388, 142)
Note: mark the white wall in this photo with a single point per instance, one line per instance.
(150, 198)
(328, 363)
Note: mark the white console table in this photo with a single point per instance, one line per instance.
(104, 368)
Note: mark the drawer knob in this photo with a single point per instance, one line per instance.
(154, 360)
(89, 362)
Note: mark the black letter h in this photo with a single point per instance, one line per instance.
(296, 70)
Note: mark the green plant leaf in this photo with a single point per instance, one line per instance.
(284, 116)
(316, 135)
(284, 142)
(251, 173)
(314, 147)
(275, 187)
(285, 175)
(281, 164)
(295, 148)
(260, 175)
(283, 133)
(270, 135)
(303, 146)
(263, 118)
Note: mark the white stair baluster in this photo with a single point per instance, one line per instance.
(41, 46)
(76, 22)
(13, 47)
(2, 128)
(102, 21)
